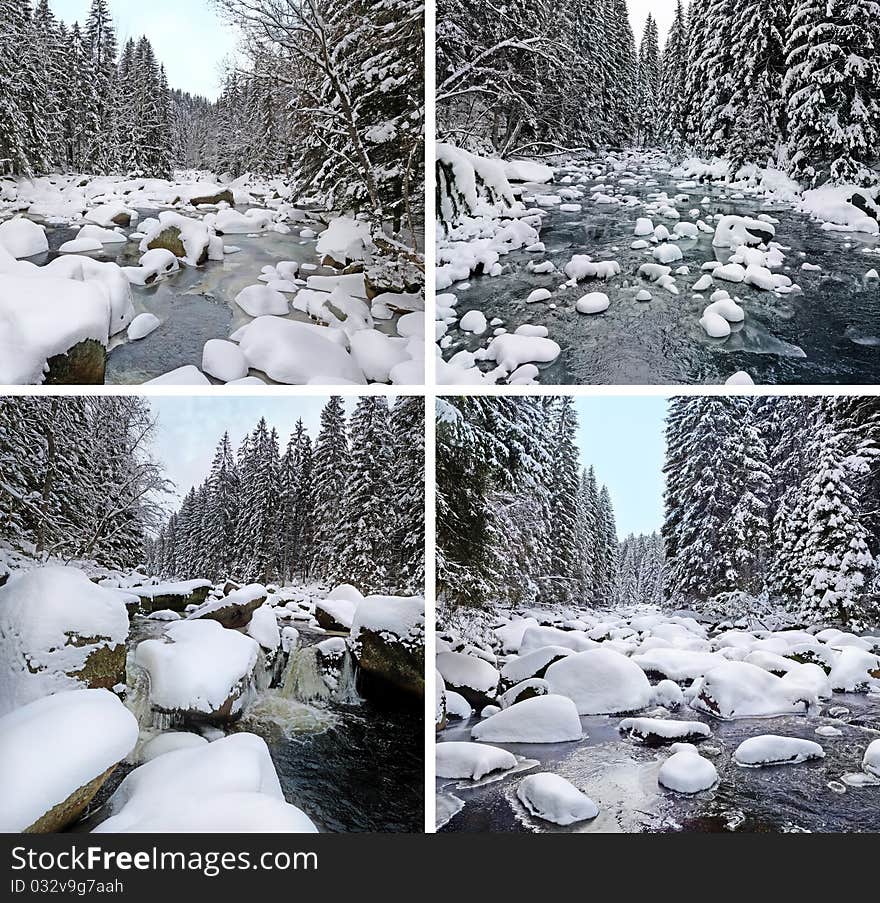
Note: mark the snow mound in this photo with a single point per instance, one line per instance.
(656, 729)
(871, 760)
(600, 682)
(552, 798)
(769, 749)
(228, 786)
(543, 719)
(468, 672)
(91, 729)
(686, 771)
(733, 231)
(472, 761)
(531, 664)
(52, 619)
(23, 238)
(261, 301)
(200, 669)
(345, 240)
(534, 638)
(169, 742)
(741, 690)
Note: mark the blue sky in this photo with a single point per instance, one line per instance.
(188, 36)
(189, 427)
(622, 437)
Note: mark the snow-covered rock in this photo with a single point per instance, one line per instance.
(56, 752)
(533, 663)
(344, 241)
(224, 360)
(600, 682)
(733, 231)
(535, 637)
(686, 771)
(169, 741)
(228, 786)
(471, 761)
(770, 749)
(23, 238)
(59, 631)
(142, 326)
(663, 729)
(261, 301)
(593, 303)
(740, 690)
(552, 798)
(472, 677)
(871, 759)
(854, 670)
(543, 719)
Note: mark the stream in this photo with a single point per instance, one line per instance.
(827, 334)
(620, 776)
(348, 764)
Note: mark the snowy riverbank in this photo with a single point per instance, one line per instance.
(198, 281)
(656, 722)
(635, 268)
(216, 707)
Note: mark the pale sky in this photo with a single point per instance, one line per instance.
(189, 427)
(622, 437)
(189, 37)
(663, 12)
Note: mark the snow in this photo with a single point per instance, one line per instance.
(600, 682)
(298, 353)
(105, 214)
(769, 749)
(542, 719)
(45, 317)
(663, 729)
(104, 236)
(224, 360)
(91, 729)
(473, 321)
(468, 671)
(535, 637)
(678, 664)
(527, 171)
(182, 376)
(582, 266)
(471, 761)
(741, 690)
(686, 771)
(142, 326)
(378, 355)
(231, 222)
(182, 588)
(668, 693)
(510, 636)
(345, 240)
(511, 351)
(395, 617)
(81, 246)
(539, 294)
(593, 303)
(41, 611)
(871, 760)
(262, 301)
(530, 663)
(153, 264)
(852, 670)
(228, 786)
(552, 798)
(194, 234)
(169, 742)
(341, 610)
(23, 238)
(263, 627)
(733, 231)
(200, 669)
(457, 706)
(832, 205)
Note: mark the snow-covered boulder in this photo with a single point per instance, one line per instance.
(56, 752)
(552, 798)
(224, 360)
(344, 241)
(153, 266)
(740, 690)
(769, 749)
(855, 671)
(298, 353)
(200, 671)
(228, 786)
(175, 596)
(261, 301)
(510, 635)
(543, 719)
(472, 677)
(59, 631)
(336, 612)
(871, 759)
(388, 641)
(113, 214)
(677, 664)
(187, 239)
(733, 231)
(235, 609)
(471, 761)
(143, 325)
(456, 705)
(263, 627)
(169, 741)
(23, 238)
(686, 771)
(525, 689)
(600, 682)
(663, 730)
(537, 637)
(532, 664)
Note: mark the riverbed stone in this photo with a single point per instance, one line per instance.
(68, 812)
(169, 240)
(85, 364)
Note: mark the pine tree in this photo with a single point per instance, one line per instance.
(331, 463)
(649, 84)
(408, 470)
(100, 39)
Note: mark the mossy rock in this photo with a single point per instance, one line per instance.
(122, 219)
(169, 240)
(104, 668)
(389, 668)
(222, 197)
(84, 365)
(67, 813)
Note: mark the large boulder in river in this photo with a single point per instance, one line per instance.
(235, 610)
(56, 753)
(200, 671)
(470, 676)
(59, 631)
(85, 364)
(172, 596)
(388, 642)
(221, 197)
(170, 239)
(336, 612)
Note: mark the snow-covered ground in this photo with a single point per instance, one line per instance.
(171, 719)
(683, 725)
(194, 281)
(634, 268)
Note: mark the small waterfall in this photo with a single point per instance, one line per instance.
(346, 689)
(303, 680)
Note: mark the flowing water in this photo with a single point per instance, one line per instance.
(348, 764)
(827, 334)
(620, 776)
